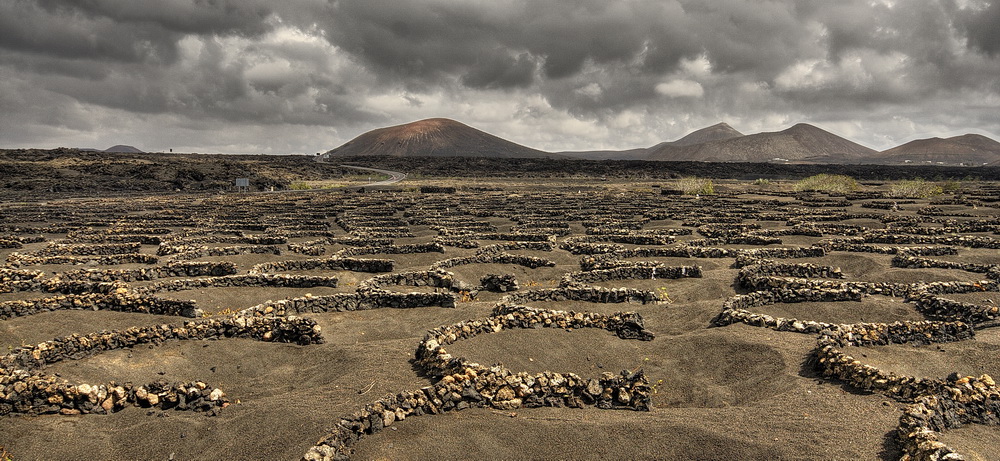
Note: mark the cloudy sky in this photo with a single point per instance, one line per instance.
(303, 76)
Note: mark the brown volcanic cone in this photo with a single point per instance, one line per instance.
(971, 149)
(802, 143)
(435, 137)
(718, 132)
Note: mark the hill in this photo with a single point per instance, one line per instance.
(719, 131)
(967, 149)
(435, 137)
(117, 148)
(123, 149)
(800, 143)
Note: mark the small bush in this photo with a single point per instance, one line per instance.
(762, 182)
(915, 188)
(951, 186)
(836, 183)
(299, 185)
(696, 186)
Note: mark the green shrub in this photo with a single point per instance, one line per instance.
(951, 186)
(837, 183)
(696, 186)
(762, 182)
(915, 188)
(299, 185)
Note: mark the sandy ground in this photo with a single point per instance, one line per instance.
(735, 392)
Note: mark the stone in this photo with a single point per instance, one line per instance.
(624, 396)
(470, 393)
(505, 393)
(594, 387)
(511, 404)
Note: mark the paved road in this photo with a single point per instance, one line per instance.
(394, 176)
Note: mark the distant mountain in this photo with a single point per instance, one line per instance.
(123, 149)
(717, 132)
(435, 137)
(800, 143)
(968, 149)
(120, 149)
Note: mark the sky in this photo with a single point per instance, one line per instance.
(305, 76)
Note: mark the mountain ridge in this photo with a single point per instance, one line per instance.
(799, 143)
(972, 149)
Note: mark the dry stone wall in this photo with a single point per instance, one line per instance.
(25, 388)
(335, 263)
(613, 224)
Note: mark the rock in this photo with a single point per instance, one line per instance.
(470, 393)
(511, 404)
(505, 393)
(84, 389)
(594, 387)
(216, 394)
(624, 396)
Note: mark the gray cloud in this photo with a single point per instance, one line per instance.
(67, 35)
(592, 73)
(500, 70)
(981, 27)
(218, 17)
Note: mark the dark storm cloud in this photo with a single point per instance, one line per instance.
(740, 35)
(628, 48)
(124, 30)
(429, 39)
(218, 17)
(592, 66)
(31, 29)
(983, 27)
(500, 70)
